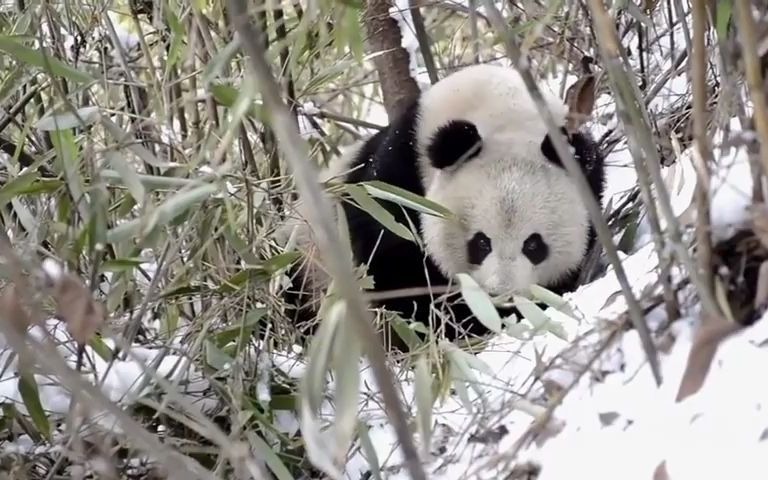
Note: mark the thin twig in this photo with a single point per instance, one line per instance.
(423, 38)
(595, 212)
(320, 217)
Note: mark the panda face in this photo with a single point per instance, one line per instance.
(484, 155)
(518, 222)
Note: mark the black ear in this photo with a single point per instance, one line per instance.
(587, 154)
(548, 148)
(454, 141)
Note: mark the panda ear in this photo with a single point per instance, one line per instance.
(456, 141)
(548, 148)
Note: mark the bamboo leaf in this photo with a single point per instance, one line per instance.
(724, 12)
(369, 451)
(374, 209)
(38, 58)
(173, 206)
(31, 398)
(128, 175)
(81, 117)
(385, 191)
(423, 392)
(263, 450)
(480, 303)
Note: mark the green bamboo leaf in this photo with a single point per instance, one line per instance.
(311, 390)
(37, 58)
(219, 60)
(101, 348)
(531, 312)
(121, 264)
(178, 34)
(321, 79)
(31, 398)
(17, 185)
(150, 182)
(551, 299)
(385, 191)
(241, 331)
(231, 97)
(129, 176)
(67, 152)
(480, 303)
(369, 451)
(538, 318)
(216, 357)
(724, 12)
(29, 221)
(406, 331)
(173, 206)
(374, 209)
(263, 450)
(346, 364)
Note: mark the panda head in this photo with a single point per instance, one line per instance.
(482, 150)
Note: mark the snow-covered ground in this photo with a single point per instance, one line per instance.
(615, 422)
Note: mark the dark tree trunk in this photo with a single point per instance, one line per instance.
(398, 88)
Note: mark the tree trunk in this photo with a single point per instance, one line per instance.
(398, 88)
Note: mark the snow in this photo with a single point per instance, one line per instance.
(619, 426)
(731, 189)
(123, 382)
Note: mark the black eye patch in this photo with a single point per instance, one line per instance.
(478, 247)
(535, 249)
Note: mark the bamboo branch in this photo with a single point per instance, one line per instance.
(704, 157)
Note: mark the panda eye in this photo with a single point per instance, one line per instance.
(535, 249)
(478, 248)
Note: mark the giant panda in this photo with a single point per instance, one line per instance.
(474, 143)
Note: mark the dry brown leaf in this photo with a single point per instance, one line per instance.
(77, 308)
(705, 343)
(661, 471)
(580, 98)
(13, 310)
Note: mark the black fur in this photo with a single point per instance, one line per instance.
(390, 156)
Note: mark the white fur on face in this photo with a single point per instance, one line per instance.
(508, 202)
(508, 192)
